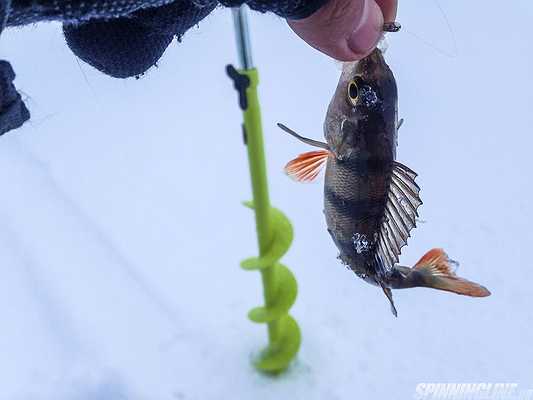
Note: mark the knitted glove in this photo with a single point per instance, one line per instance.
(121, 38)
(13, 112)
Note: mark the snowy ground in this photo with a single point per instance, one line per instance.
(121, 227)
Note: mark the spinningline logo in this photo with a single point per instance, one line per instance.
(471, 391)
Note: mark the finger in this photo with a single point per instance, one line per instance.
(389, 8)
(346, 30)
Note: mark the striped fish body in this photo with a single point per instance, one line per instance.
(363, 136)
(355, 197)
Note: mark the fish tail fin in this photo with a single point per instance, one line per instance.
(437, 272)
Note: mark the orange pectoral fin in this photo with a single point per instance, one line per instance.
(306, 166)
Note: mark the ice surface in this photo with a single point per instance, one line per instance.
(121, 227)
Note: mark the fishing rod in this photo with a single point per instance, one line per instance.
(274, 230)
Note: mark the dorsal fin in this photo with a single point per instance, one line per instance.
(400, 214)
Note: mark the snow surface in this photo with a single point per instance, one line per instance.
(121, 227)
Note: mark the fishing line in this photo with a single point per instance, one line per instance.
(89, 86)
(82, 72)
(448, 25)
(450, 31)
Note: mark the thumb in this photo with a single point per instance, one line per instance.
(346, 30)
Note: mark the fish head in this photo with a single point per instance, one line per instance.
(365, 96)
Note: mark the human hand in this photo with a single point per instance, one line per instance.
(346, 30)
(124, 38)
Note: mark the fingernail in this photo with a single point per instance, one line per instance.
(367, 33)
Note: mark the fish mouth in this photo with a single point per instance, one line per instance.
(372, 65)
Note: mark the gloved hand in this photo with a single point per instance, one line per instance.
(124, 38)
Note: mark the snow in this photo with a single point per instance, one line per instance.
(121, 227)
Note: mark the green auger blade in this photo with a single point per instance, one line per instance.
(286, 291)
(281, 240)
(277, 357)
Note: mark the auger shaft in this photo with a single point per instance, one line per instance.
(274, 231)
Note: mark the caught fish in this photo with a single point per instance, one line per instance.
(371, 200)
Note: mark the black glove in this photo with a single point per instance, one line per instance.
(124, 38)
(13, 112)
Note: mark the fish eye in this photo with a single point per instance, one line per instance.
(353, 92)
